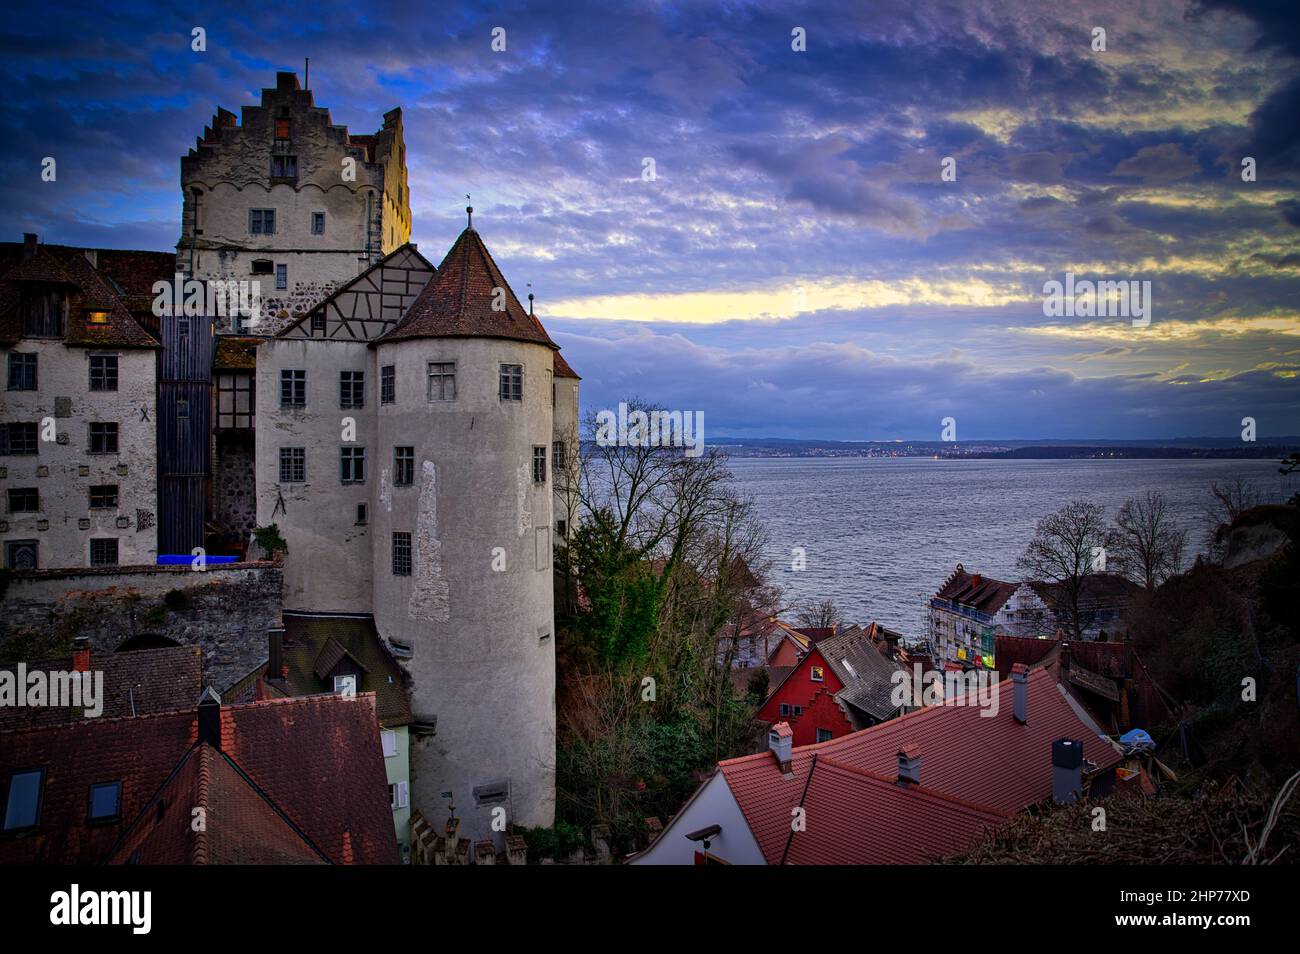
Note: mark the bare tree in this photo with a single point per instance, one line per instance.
(817, 614)
(1146, 545)
(1064, 550)
(1233, 496)
(1229, 499)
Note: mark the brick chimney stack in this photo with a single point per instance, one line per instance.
(81, 654)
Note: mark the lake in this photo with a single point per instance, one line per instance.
(882, 535)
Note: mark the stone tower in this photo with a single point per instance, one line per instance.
(436, 516)
(283, 196)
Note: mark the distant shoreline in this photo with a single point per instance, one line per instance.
(979, 450)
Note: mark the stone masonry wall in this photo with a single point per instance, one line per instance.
(234, 487)
(225, 610)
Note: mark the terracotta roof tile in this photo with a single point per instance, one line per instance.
(142, 682)
(562, 369)
(994, 762)
(457, 302)
(317, 761)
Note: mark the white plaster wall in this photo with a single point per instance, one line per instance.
(481, 664)
(56, 469)
(327, 568)
(713, 804)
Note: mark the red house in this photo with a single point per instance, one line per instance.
(841, 684)
(806, 699)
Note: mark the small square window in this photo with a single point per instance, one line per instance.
(352, 465)
(824, 735)
(17, 438)
(22, 371)
(261, 222)
(103, 497)
(96, 317)
(352, 389)
(22, 555)
(103, 372)
(103, 438)
(512, 382)
(284, 167)
(539, 465)
(559, 455)
(818, 674)
(105, 801)
(442, 380)
(346, 685)
(318, 223)
(263, 266)
(401, 553)
(798, 711)
(387, 384)
(281, 277)
(293, 389)
(103, 552)
(24, 500)
(785, 708)
(361, 515)
(317, 321)
(293, 465)
(403, 466)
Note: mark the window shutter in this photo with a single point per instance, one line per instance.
(403, 794)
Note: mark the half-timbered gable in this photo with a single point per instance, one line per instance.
(371, 304)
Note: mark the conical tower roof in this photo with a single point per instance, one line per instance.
(457, 302)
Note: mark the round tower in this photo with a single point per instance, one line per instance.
(463, 540)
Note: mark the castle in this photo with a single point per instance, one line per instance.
(406, 426)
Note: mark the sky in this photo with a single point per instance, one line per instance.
(797, 265)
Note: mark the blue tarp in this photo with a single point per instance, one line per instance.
(1137, 739)
(176, 559)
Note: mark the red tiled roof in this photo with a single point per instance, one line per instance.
(457, 301)
(562, 369)
(317, 760)
(141, 682)
(994, 762)
(1030, 650)
(89, 289)
(240, 824)
(982, 593)
(854, 817)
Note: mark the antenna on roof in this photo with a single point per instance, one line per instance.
(469, 210)
(530, 299)
(306, 72)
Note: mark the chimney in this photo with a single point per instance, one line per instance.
(1020, 693)
(1067, 771)
(210, 718)
(92, 256)
(29, 245)
(909, 765)
(781, 740)
(81, 654)
(275, 652)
